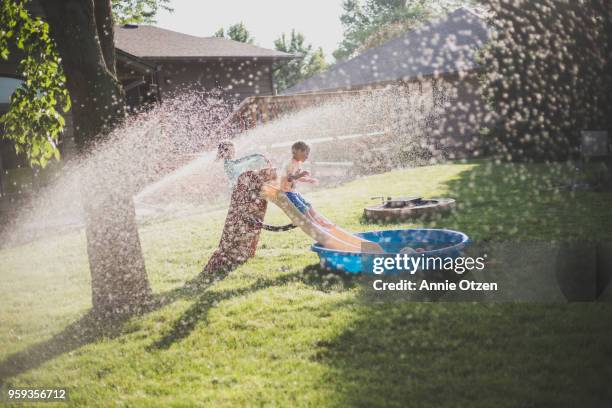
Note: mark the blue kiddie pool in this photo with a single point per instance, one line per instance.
(430, 243)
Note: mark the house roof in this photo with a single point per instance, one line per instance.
(447, 45)
(133, 61)
(154, 43)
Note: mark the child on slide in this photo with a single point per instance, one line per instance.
(235, 167)
(291, 174)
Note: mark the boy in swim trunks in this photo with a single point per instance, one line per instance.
(291, 174)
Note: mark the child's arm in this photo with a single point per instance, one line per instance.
(304, 177)
(298, 176)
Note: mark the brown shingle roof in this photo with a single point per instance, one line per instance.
(151, 42)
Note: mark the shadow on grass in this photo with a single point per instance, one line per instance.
(518, 201)
(197, 313)
(91, 327)
(431, 354)
(493, 203)
(459, 354)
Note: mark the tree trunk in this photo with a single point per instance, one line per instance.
(241, 231)
(106, 32)
(118, 275)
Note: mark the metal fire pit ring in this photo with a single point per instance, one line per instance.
(399, 209)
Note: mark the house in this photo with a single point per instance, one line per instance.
(153, 62)
(438, 59)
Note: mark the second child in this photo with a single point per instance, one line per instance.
(292, 174)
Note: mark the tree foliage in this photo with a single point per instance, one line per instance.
(548, 75)
(138, 11)
(368, 23)
(237, 32)
(33, 121)
(296, 70)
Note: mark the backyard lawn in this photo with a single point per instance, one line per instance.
(278, 331)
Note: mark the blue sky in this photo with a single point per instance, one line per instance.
(318, 20)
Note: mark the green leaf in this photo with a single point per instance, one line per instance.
(33, 108)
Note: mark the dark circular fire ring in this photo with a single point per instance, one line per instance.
(398, 209)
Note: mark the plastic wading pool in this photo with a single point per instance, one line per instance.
(431, 243)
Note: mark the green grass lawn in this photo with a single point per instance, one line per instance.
(280, 332)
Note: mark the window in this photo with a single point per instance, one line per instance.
(8, 158)
(7, 87)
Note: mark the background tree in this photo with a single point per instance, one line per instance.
(368, 23)
(296, 70)
(138, 11)
(548, 76)
(237, 32)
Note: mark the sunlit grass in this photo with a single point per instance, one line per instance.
(278, 332)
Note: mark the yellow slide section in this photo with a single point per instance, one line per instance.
(332, 238)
